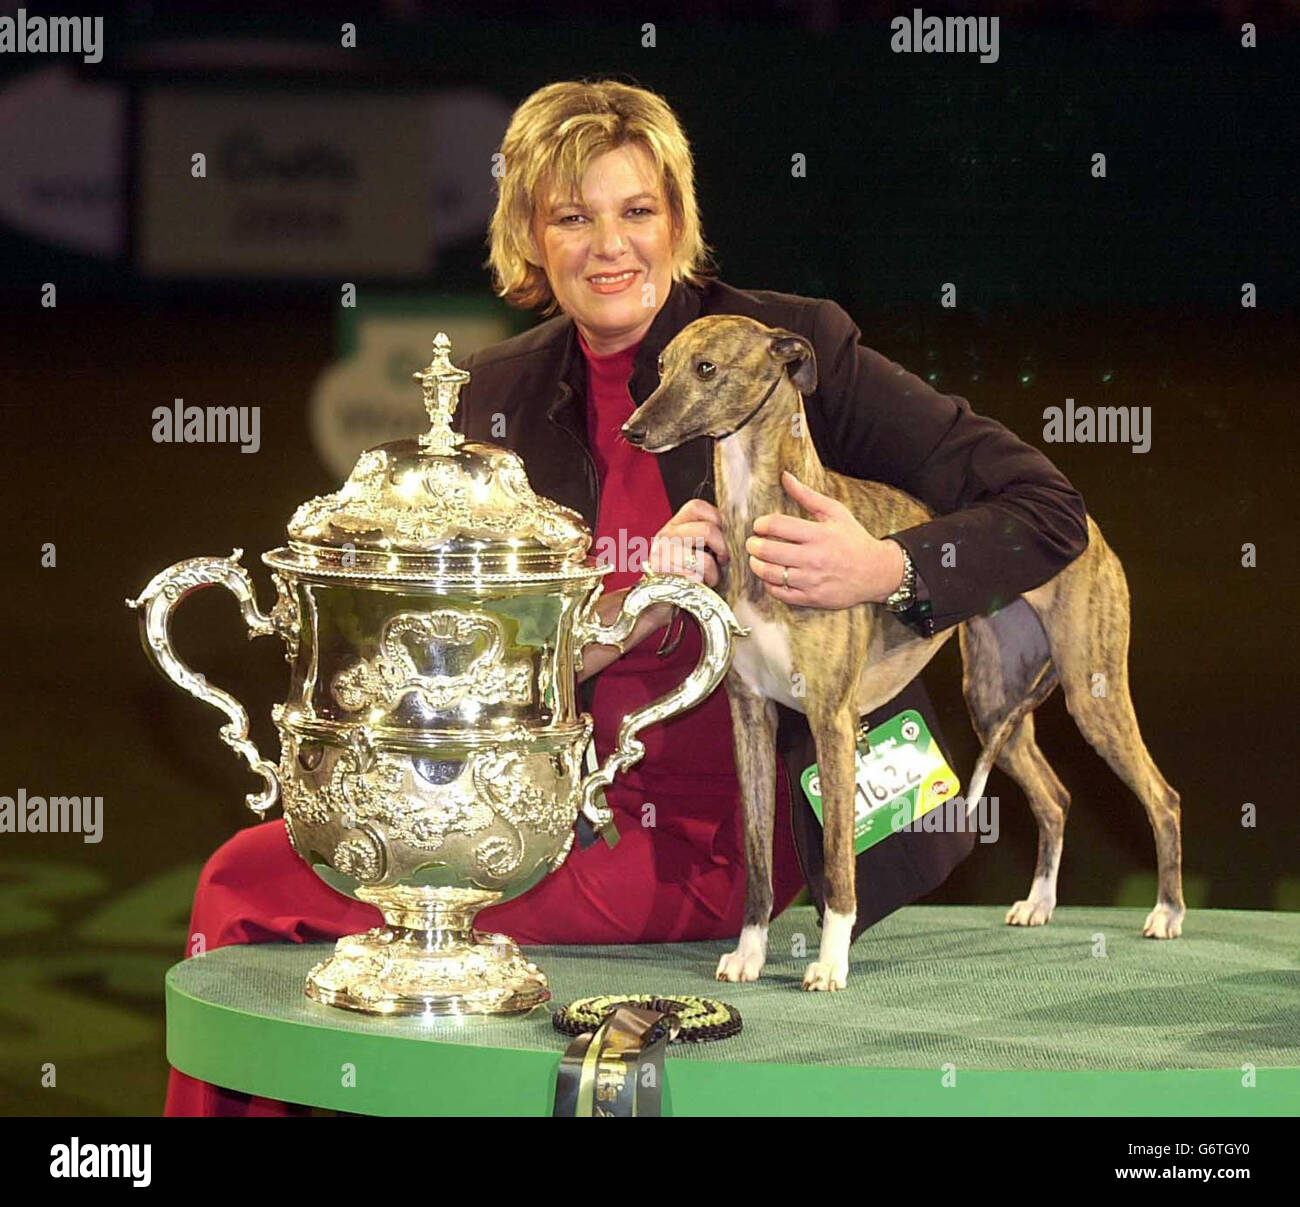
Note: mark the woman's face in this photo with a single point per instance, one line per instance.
(609, 255)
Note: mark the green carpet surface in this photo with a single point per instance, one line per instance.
(929, 985)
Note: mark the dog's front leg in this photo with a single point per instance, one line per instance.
(834, 734)
(753, 728)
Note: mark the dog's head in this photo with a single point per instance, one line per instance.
(716, 376)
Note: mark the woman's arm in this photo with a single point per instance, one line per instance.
(1006, 519)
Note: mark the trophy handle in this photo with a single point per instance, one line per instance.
(156, 603)
(720, 629)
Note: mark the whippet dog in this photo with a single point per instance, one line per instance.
(743, 383)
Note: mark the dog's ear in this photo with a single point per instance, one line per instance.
(796, 353)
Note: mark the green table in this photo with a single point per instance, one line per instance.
(948, 1012)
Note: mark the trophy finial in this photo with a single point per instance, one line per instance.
(441, 382)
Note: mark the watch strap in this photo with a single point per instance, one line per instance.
(905, 596)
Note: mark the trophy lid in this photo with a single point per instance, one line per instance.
(436, 505)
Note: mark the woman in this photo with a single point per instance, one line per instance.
(596, 217)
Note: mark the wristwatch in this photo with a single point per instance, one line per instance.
(905, 596)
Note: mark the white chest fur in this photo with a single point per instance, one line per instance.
(762, 659)
(734, 475)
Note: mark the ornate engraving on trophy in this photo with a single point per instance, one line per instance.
(362, 856)
(443, 636)
(365, 480)
(504, 780)
(285, 617)
(421, 803)
(422, 507)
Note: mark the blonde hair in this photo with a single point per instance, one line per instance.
(553, 137)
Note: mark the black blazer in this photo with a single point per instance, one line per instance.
(1011, 517)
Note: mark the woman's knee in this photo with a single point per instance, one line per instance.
(250, 855)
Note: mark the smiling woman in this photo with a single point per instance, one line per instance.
(596, 218)
(610, 257)
(596, 214)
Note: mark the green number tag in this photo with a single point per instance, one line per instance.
(901, 774)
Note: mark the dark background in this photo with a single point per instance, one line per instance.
(922, 169)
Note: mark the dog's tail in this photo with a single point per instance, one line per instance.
(997, 739)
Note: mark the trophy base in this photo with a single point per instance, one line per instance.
(428, 959)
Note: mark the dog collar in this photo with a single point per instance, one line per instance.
(758, 408)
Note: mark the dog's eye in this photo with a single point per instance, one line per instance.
(705, 369)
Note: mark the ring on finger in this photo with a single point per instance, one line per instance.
(785, 577)
(691, 559)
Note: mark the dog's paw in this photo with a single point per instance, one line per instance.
(740, 966)
(825, 978)
(1034, 912)
(746, 962)
(1163, 922)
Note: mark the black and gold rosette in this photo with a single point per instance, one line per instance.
(614, 1067)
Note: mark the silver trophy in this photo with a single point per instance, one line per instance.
(434, 611)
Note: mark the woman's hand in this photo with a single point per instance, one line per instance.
(833, 562)
(691, 543)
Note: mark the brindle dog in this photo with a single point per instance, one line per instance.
(743, 383)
